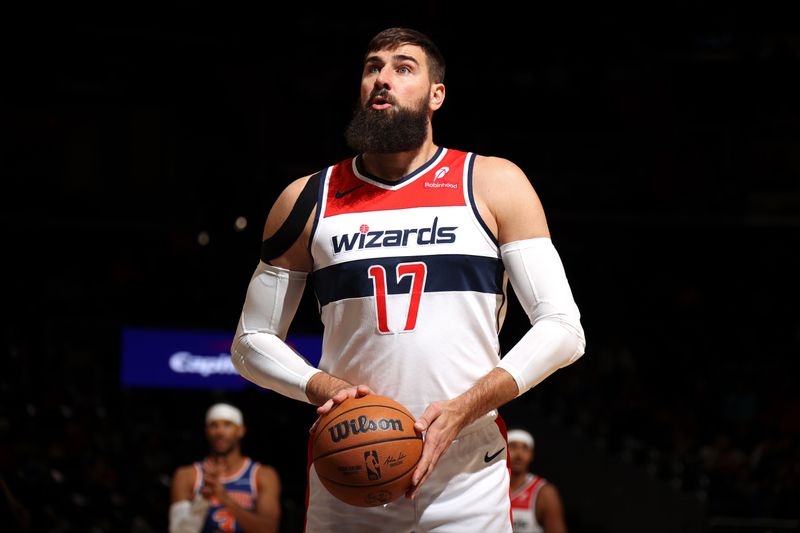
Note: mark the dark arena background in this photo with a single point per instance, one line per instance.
(142, 147)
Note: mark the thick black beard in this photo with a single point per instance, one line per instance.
(387, 131)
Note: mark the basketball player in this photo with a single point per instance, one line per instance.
(227, 491)
(535, 503)
(408, 245)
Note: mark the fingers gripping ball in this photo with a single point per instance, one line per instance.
(365, 450)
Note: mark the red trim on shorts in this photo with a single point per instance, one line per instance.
(501, 424)
(503, 430)
(308, 477)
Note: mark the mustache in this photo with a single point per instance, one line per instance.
(380, 93)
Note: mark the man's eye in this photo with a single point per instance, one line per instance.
(404, 70)
(373, 69)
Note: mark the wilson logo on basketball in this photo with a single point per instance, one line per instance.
(362, 424)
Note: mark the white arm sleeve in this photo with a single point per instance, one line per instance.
(188, 517)
(258, 351)
(556, 338)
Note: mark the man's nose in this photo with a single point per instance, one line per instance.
(382, 80)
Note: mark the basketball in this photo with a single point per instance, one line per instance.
(365, 450)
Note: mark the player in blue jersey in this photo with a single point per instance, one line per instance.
(227, 491)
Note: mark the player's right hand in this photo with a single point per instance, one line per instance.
(357, 391)
(213, 470)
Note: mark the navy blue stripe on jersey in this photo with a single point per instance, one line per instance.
(320, 203)
(363, 171)
(474, 205)
(451, 272)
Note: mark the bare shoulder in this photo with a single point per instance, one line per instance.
(183, 480)
(283, 205)
(184, 473)
(268, 476)
(509, 196)
(498, 179)
(296, 257)
(269, 485)
(549, 495)
(499, 169)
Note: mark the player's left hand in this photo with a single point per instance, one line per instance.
(441, 422)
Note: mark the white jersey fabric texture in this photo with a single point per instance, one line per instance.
(409, 281)
(411, 291)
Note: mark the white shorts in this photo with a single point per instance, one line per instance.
(467, 491)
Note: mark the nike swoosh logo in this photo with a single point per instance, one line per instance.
(488, 458)
(341, 194)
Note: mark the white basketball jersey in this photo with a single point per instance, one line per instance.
(523, 505)
(409, 280)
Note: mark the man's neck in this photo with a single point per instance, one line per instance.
(233, 461)
(397, 165)
(517, 480)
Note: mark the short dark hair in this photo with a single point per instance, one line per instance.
(391, 38)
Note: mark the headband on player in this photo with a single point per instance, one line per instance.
(520, 435)
(224, 411)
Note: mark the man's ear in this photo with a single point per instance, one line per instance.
(437, 96)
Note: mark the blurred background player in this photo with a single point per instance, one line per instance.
(535, 503)
(226, 491)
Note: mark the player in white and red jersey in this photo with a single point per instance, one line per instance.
(408, 246)
(535, 503)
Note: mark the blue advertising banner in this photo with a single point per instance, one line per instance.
(193, 359)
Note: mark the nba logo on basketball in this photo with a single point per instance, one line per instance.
(373, 465)
(365, 450)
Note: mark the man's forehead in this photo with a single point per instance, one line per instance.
(404, 50)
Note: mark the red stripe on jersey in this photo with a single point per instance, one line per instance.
(441, 185)
(501, 424)
(309, 462)
(524, 498)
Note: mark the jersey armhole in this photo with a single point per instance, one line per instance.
(324, 176)
(198, 477)
(469, 165)
(254, 479)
